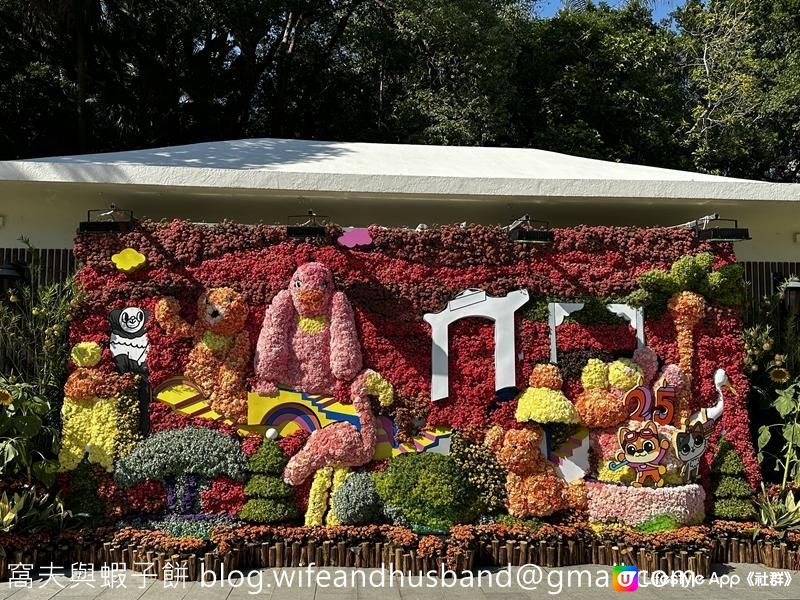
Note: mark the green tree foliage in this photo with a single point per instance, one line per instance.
(426, 491)
(743, 66)
(601, 82)
(720, 92)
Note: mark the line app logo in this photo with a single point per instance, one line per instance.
(625, 578)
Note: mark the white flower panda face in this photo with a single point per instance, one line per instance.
(131, 319)
(128, 340)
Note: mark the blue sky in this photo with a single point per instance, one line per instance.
(661, 10)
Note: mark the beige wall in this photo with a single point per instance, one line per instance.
(49, 213)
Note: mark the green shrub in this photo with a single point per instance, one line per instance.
(259, 510)
(735, 509)
(658, 282)
(727, 461)
(726, 285)
(82, 498)
(658, 523)
(265, 486)
(481, 469)
(728, 486)
(201, 529)
(426, 490)
(177, 452)
(691, 272)
(356, 502)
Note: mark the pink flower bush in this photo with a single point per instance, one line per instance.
(634, 506)
(648, 363)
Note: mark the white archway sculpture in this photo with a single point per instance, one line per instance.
(558, 311)
(475, 303)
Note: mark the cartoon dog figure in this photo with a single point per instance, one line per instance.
(642, 451)
(128, 341)
(690, 445)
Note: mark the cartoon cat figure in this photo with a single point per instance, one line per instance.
(642, 451)
(690, 444)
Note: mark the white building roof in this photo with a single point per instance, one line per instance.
(324, 168)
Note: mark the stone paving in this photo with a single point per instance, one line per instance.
(139, 588)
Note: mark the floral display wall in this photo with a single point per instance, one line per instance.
(234, 318)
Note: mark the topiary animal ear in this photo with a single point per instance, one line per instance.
(623, 431)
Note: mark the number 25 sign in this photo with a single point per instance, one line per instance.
(643, 407)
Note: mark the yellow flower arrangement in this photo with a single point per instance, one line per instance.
(88, 425)
(595, 374)
(314, 324)
(543, 405)
(318, 497)
(6, 399)
(86, 354)
(379, 387)
(624, 374)
(340, 475)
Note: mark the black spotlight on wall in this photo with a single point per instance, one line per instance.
(709, 230)
(528, 231)
(11, 275)
(310, 228)
(791, 297)
(104, 220)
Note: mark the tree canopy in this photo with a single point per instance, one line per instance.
(717, 90)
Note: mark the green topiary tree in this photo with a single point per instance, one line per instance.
(270, 499)
(733, 498)
(426, 491)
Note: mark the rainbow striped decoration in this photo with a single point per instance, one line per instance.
(291, 410)
(572, 457)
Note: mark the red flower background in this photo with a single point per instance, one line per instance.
(405, 274)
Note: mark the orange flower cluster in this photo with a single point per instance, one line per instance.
(532, 487)
(600, 408)
(546, 376)
(687, 309)
(227, 538)
(159, 541)
(85, 383)
(430, 546)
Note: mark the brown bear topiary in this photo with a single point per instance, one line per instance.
(532, 485)
(221, 346)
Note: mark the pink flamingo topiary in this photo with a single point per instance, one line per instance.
(341, 444)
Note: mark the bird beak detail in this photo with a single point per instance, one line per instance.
(729, 385)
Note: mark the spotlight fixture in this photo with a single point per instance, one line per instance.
(528, 231)
(715, 233)
(107, 220)
(309, 228)
(11, 274)
(791, 297)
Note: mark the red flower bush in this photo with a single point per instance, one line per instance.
(224, 496)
